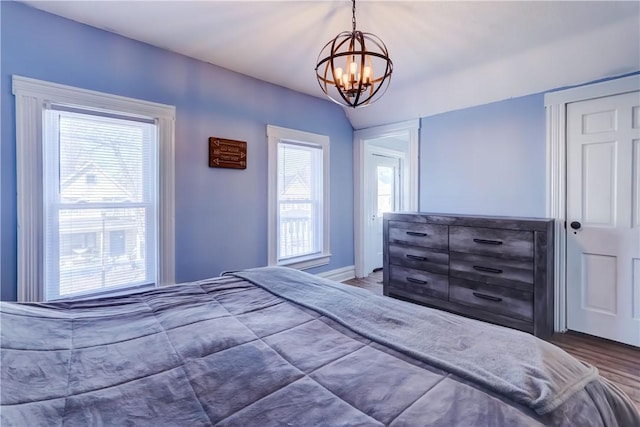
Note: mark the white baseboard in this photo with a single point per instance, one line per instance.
(339, 274)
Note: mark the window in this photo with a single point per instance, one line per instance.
(83, 244)
(298, 198)
(91, 178)
(118, 247)
(95, 191)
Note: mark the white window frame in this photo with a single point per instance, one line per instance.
(31, 97)
(275, 135)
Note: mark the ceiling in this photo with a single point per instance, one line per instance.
(447, 55)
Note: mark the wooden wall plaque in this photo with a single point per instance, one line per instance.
(227, 153)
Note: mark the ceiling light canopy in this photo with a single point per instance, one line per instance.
(354, 68)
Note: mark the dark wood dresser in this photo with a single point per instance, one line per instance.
(496, 269)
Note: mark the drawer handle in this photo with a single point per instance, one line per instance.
(416, 257)
(415, 233)
(487, 269)
(487, 242)
(487, 297)
(420, 282)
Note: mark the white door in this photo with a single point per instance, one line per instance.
(603, 217)
(384, 197)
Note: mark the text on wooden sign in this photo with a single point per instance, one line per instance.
(227, 153)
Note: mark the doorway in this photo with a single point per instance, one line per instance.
(593, 146)
(384, 168)
(386, 179)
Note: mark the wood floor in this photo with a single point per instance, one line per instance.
(618, 363)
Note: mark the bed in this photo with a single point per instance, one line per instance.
(277, 347)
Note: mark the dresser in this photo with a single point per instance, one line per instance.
(496, 269)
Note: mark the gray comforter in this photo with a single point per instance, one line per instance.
(274, 346)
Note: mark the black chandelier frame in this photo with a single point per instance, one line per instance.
(358, 89)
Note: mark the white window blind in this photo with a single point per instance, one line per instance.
(298, 231)
(299, 200)
(100, 201)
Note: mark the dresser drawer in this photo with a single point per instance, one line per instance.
(414, 233)
(491, 241)
(419, 258)
(511, 273)
(496, 299)
(418, 282)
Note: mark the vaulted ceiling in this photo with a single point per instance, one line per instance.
(446, 54)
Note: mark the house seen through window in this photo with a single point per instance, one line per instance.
(100, 201)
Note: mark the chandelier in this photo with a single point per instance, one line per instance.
(346, 69)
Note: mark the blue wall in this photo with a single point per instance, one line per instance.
(221, 215)
(488, 159)
(485, 160)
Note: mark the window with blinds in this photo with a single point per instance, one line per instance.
(298, 198)
(100, 190)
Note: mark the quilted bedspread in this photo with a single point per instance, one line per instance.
(260, 350)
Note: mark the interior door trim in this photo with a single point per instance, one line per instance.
(556, 172)
(410, 127)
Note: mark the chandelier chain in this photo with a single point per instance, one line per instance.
(353, 18)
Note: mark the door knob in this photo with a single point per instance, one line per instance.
(576, 225)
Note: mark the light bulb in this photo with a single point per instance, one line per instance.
(338, 75)
(367, 74)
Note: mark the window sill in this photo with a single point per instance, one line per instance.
(116, 292)
(304, 263)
